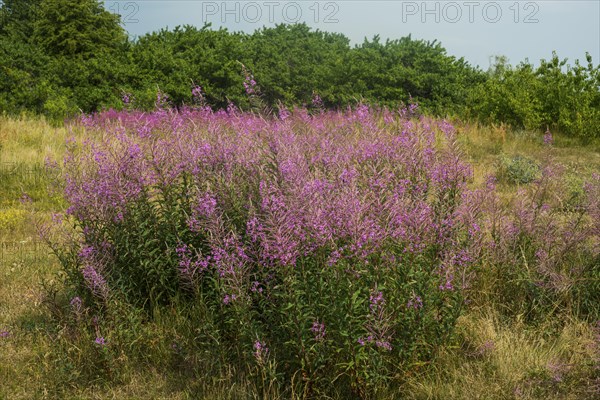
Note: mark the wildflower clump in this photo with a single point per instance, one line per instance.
(344, 240)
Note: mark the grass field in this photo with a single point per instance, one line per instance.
(493, 357)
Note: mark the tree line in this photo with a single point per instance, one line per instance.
(62, 57)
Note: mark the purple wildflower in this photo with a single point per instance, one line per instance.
(76, 305)
(487, 347)
(548, 139)
(87, 252)
(256, 288)
(229, 298)
(261, 351)
(491, 182)
(447, 285)
(284, 113)
(365, 341)
(558, 370)
(95, 281)
(25, 199)
(317, 102)
(318, 329)
(384, 344)
(249, 82)
(415, 303)
(197, 94)
(376, 300)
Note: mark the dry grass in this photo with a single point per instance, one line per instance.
(509, 361)
(31, 141)
(484, 145)
(24, 263)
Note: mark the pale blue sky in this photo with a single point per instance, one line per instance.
(469, 28)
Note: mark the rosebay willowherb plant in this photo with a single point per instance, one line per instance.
(340, 242)
(545, 253)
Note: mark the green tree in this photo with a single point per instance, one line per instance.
(23, 71)
(571, 95)
(398, 70)
(554, 95)
(77, 28)
(17, 18)
(290, 62)
(174, 60)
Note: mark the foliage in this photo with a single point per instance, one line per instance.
(22, 76)
(76, 28)
(175, 61)
(518, 169)
(552, 96)
(17, 18)
(61, 56)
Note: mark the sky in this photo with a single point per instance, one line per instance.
(475, 30)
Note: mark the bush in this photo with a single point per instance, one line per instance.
(327, 254)
(518, 169)
(332, 247)
(554, 96)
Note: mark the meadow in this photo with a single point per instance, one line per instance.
(362, 253)
(169, 228)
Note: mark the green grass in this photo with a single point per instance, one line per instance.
(492, 358)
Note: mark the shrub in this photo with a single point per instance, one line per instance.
(518, 169)
(332, 247)
(328, 254)
(554, 95)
